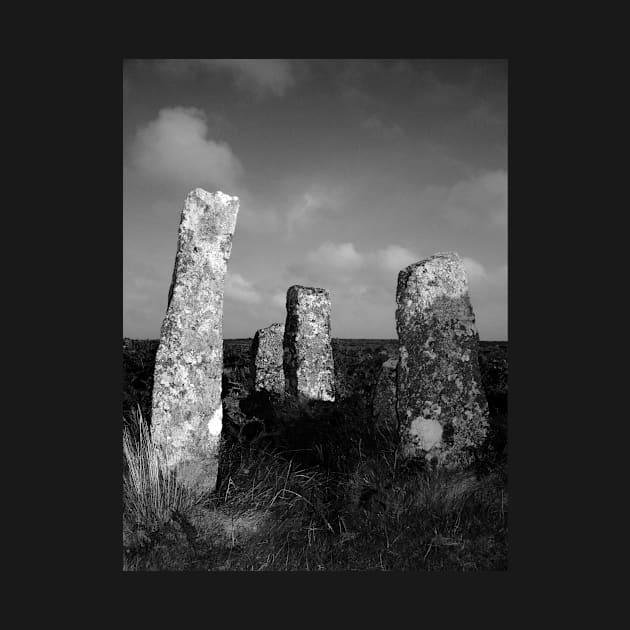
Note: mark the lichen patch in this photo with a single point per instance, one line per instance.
(426, 433)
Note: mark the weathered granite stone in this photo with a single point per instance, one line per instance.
(442, 408)
(384, 401)
(186, 408)
(266, 359)
(308, 360)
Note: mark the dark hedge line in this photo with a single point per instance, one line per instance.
(357, 365)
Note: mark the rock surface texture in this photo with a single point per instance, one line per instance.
(266, 359)
(385, 394)
(442, 409)
(187, 415)
(308, 360)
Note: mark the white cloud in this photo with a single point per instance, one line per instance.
(363, 285)
(239, 289)
(174, 149)
(475, 271)
(300, 213)
(342, 256)
(341, 264)
(394, 257)
(256, 214)
(318, 201)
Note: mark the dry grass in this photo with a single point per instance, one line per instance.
(152, 494)
(273, 513)
(314, 489)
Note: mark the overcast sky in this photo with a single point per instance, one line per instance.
(347, 171)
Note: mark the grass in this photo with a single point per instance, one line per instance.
(315, 487)
(318, 489)
(384, 515)
(152, 496)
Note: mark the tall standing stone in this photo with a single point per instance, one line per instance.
(308, 360)
(187, 415)
(442, 408)
(266, 359)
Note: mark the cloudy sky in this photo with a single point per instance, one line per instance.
(347, 171)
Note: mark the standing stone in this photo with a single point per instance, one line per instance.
(384, 400)
(442, 408)
(266, 359)
(187, 415)
(308, 359)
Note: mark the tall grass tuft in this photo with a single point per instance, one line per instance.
(151, 491)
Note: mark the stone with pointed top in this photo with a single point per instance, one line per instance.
(187, 414)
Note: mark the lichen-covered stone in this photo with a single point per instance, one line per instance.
(266, 359)
(442, 408)
(308, 359)
(384, 401)
(186, 408)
